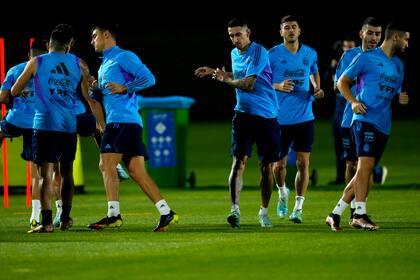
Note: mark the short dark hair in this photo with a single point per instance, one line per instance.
(348, 37)
(373, 21)
(38, 44)
(288, 18)
(62, 34)
(237, 22)
(395, 27)
(110, 27)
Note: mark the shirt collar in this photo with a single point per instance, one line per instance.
(109, 52)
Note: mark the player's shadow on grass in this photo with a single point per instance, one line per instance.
(81, 233)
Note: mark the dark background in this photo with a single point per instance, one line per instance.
(173, 40)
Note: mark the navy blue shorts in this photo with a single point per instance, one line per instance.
(125, 139)
(300, 136)
(86, 124)
(53, 146)
(12, 131)
(370, 142)
(247, 129)
(349, 146)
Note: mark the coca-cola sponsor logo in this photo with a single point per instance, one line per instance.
(389, 78)
(299, 73)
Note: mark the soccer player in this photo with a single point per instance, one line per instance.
(97, 135)
(87, 126)
(255, 115)
(294, 67)
(370, 34)
(380, 73)
(19, 121)
(340, 103)
(120, 76)
(56, 76)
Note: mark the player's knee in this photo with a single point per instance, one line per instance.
(238, 165)
(302, 163)
(102, 166)
(279, 166)
(350, 166)
(266, 168)
(137, 173)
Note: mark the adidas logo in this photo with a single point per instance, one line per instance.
(111, 207)
(163, 205)
(380, 64)
(60, 69)
(284, 61)
(108, 146)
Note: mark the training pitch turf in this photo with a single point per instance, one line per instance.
(203, 246)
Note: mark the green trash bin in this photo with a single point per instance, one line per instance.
(165, 133)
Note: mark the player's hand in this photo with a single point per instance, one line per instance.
(286, 86)
(93, 83)
(203, 71)
(318, 93)
(403, 98)
(358, 108)
(115, 88)
(220, 74)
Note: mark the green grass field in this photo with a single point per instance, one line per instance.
(203, 246)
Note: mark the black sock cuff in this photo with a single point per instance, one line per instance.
(46, 217)
(65, 215)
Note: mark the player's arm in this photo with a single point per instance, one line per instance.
(315, 78)
(24, 78)
(8, 82)
(344, 86)
(4, 96)
(204, 71)
(94, 105)
(403, 98)
(246, 84)
(286, 86)
(316, 83)
(341, 66)
(142, 77)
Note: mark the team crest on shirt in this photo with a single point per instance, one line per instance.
(305, 60)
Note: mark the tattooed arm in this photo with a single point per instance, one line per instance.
(246, 83)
